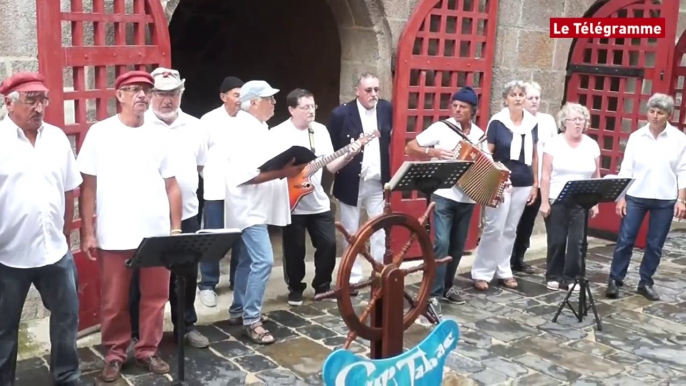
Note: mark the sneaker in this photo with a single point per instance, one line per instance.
(196, 339)
(433, 302)
(295, 299)
(576, 289)
(453, 296)
(553, 285)
(208, 298)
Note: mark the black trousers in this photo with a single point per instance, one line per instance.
(190, 225)
(524, 230)
(322, 231)
(565, 229)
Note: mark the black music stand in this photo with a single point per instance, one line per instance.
(427, 177)
(179, 254)
(587, 194)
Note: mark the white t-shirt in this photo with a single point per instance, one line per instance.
(219, 127)
(131, 164)
(547, 129)
(287, 134)
(443, 137)
(33, 181)
(189, 149)
(371, 153)
(570, 163)
(253, 204)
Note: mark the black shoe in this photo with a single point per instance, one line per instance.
(523, 267)
(612, 290)
(295, 298)
(648, 292)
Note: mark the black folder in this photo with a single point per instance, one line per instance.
(301, 154)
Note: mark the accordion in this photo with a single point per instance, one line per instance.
(486, 180)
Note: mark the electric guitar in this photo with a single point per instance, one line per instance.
(300, 185)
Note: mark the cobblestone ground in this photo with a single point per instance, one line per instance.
(507, 337)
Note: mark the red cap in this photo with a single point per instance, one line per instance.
(133, 77)
(23, 82)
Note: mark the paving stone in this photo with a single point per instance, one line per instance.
(156, 380)
(288, 319)
(473, 352)
(451, 378)
(307, 311)
(536, 379)
(415, 335)
(507, 351)
(522, 318)
(491, 291)
(302, 356)
(489, 377)
(565, 331)
(623, 380)
(461, 364)
(316, 332)
(255, 363)
(529, 288)
(678, 339)
(280, 377)
(592, 348)
(632, 303)
(329, 321)
(646, 324)
(624, 358)
(213, 333)
(33, 371)
(541, 309)
(667, 311)
(588, 381)
(203, 367)
(546, 367)
(465, 313)
(231, 348)
(279, 332)
(504, 329)
(507, 298)
(553, 298)
(512, 370)
(652, 370)
(641, 345)
(488, 306)
(476, 338)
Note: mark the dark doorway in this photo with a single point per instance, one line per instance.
(289, 44)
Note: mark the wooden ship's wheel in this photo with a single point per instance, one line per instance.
(384, 319)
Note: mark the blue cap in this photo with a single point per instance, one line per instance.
(466, 95)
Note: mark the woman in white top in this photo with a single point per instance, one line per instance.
(569, 156)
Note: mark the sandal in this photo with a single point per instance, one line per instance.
(481, 285)
(264, 337)
(239, 320)
(510, 282)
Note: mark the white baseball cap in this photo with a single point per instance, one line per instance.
(257, 89)
(166, 79)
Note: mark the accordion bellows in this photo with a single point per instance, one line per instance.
(485, 181)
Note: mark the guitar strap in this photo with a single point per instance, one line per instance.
(310, 131)
(456, 130)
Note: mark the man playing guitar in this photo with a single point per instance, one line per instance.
(311, 212)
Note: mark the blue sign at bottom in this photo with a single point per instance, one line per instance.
(422, 365)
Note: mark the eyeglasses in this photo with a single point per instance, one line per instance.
(166, 94)
(270, 99)
(137, 89)
(33, 102)
(576, 120)
(369, 90)
(308, 107)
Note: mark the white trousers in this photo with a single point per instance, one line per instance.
(498, 236)
(371, 197)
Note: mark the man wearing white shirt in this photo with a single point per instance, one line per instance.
(189, 147)
(360, 183)
(547, 129)
(655, 156)
(313, 212)
(453, 211)
(254, 199)
(129, 181)
(38, 175)
(220, 125)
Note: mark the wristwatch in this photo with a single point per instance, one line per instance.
(681, 201)
(426, 150)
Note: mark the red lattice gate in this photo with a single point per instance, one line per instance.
(677, 85)
(98, 41)
(446, 44)
(614, 78)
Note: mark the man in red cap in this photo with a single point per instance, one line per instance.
(129, 182)
(38, 175)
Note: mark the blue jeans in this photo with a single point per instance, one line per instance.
(255, 261)
(659, 222)
(451, 226)
(57, 285)
(209, 272)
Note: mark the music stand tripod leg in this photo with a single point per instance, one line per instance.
(181, 323)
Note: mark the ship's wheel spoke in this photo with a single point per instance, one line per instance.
(378, 267)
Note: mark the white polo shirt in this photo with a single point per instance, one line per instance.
(33, 181)
(443, 137)
(371, 155)
(254, 204)
(547, 130)
(657, 164)
(287, 134)
(219, 127)
(189, 150)
(131, 164)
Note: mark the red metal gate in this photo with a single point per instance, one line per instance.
(677, 86)
(98, 41)
(614, 78)
(446, 44)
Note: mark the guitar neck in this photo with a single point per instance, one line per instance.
(319, 163)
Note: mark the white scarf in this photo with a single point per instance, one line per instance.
(525, 128)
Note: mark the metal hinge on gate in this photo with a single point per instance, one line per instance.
(605, 70)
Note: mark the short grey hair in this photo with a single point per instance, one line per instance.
(363, 76)
(567, 110)
(663, 102)
(245, 105)
(532, 86)
(14, 95)
(512, 85)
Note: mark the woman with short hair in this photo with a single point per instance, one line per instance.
(569, 156)
(512, 135)
(655, 156)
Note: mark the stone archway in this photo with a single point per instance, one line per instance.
(365, 41)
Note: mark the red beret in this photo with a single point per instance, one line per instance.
(133, 77)
(23, 82)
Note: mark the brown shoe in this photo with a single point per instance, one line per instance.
(481, 285)
(510, 282)
(112, 371)
(154, 364)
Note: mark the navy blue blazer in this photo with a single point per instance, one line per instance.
(345, 124)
